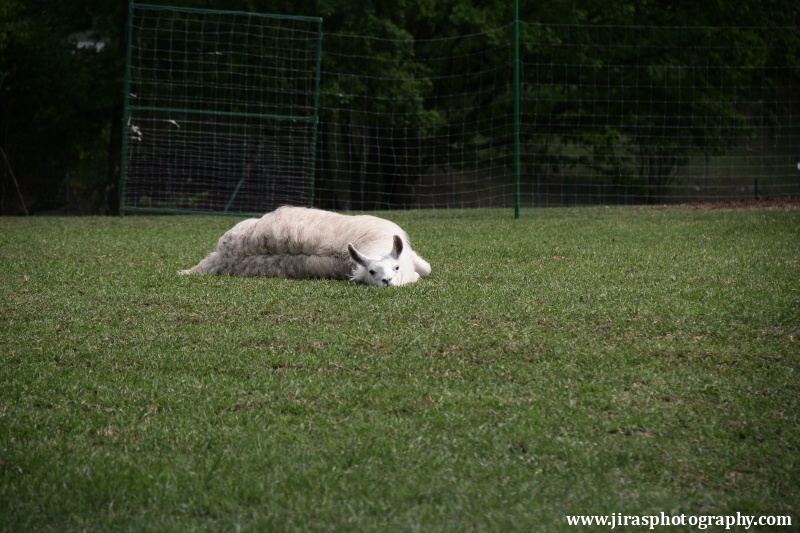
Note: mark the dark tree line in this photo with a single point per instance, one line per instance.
(62, 67)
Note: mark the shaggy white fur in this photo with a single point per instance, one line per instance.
(298, 242)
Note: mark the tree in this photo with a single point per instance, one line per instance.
(55, 97)
(640, 87)
(655, 84)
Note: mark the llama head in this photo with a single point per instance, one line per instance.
(381, 271)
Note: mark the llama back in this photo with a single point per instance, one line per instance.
(309, 232)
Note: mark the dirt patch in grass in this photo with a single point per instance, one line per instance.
(778, 203)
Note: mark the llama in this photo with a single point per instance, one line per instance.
(299, 242)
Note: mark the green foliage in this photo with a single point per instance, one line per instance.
(395, 83)
(583, 361)
(55, 99)
(58, 104)
(640, 101)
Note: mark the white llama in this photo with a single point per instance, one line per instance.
(298, 242)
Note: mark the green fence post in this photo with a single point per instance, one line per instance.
(126, 113)
(517, 157)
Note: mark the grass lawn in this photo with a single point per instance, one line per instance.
(575, 362)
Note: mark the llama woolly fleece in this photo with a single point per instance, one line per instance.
(299, 242)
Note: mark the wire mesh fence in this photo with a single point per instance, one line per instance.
(659, 114)
(596, 115)
(221, 110)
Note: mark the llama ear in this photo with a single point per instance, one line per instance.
(356, 255)
(397, 247)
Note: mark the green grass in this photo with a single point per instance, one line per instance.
(586, 361)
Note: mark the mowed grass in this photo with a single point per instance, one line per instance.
(576, 361)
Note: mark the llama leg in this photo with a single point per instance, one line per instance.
(422, 267)
(211, 263)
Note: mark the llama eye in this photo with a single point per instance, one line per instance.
(397, 267)
(371, 272)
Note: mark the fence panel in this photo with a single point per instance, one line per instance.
(221, 110)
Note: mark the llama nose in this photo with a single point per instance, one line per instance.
(385, 281)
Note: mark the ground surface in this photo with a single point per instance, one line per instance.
(583, 361)
(778, 203)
